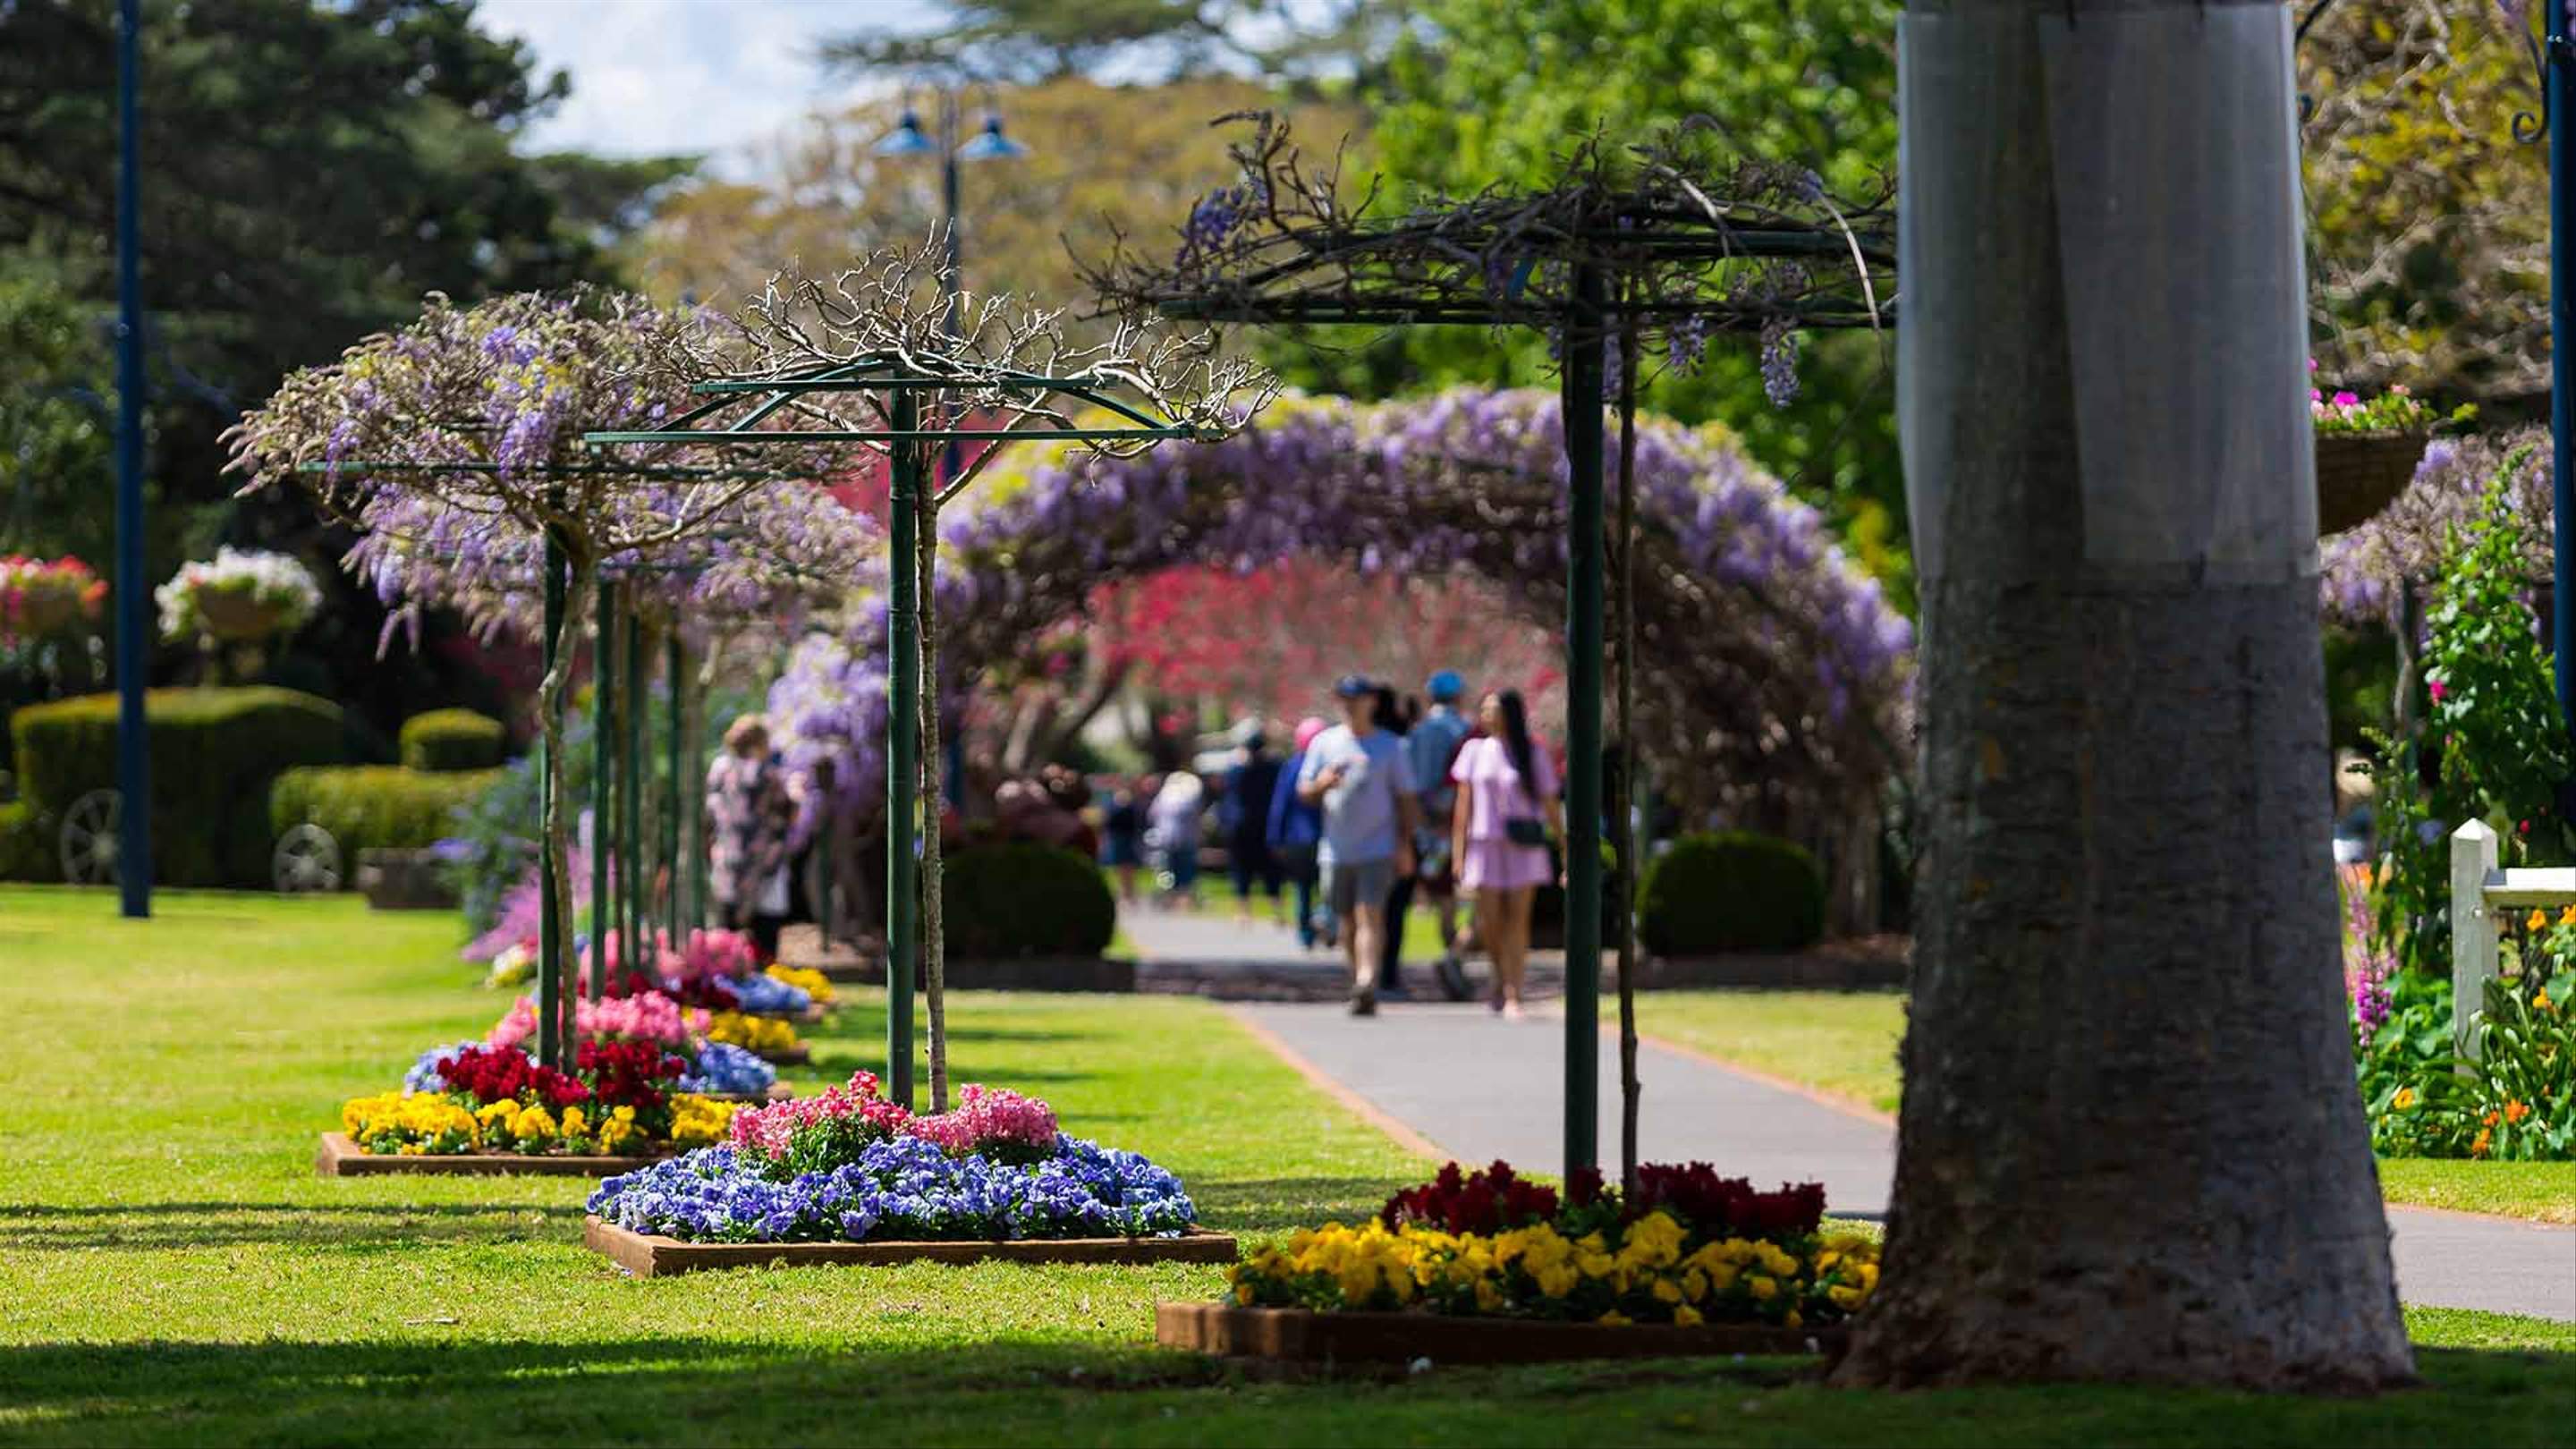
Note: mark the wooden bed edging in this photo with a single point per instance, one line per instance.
(1299, 1335)
(340, 1157)
(795, 1056)
(647, 1256)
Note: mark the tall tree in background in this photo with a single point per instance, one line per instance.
(1489, 91)
(1130, 157)
(309, 171)
(1028, 41)
(2129, 1146)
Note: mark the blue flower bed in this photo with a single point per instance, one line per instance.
(901, 1189)
(725, 1068)
(769, 996)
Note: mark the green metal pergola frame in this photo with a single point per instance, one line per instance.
(1326, 280)
(908, 447)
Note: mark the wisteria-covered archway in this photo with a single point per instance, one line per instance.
(1774, 679)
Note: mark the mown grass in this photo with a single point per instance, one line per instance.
(1843, 1044)
(172, 1272)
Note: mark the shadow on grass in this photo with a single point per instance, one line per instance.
(26, 1228)
(1275, 1204)
(801, 1386)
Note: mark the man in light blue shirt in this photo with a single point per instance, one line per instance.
(1359, 774)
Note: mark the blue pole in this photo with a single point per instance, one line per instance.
(2560, 79)
(133, 596)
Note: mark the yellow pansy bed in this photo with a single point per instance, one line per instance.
(772, 1037)
(806, 979)
(1491, 1267)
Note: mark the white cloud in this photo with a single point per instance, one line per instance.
(660, 76)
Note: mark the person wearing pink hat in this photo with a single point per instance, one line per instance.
(1295, 828)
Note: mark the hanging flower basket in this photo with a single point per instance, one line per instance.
(238, 618)
(242, 597)
(2359, 474)
(40, 599)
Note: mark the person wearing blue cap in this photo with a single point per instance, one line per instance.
(1429, 748)
(1359, 774)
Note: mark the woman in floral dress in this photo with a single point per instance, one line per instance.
(748, 814)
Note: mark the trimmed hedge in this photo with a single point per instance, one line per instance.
(453, 739)
(26, 847)
(1731, 892)
(1024, 899)
(214, 754)
(372, 807)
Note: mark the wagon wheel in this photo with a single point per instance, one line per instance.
(89, 838)
(306, 859)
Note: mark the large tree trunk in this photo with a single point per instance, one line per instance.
(2131, 1147)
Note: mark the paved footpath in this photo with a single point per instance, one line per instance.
(1478, 1087)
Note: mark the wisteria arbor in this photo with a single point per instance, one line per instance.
(454, 446)
(1778, 695)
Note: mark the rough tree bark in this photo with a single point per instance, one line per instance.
(2130, 1146)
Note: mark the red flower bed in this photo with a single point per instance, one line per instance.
(628, 1073)
(498, 1075)
(1497, 1199)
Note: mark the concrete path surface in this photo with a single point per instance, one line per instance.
(1478, 1087)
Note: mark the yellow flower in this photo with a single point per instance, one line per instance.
(2479, 1147)
(1845, 1297)
(1686, 1317)
(1695, 1285)
(2567, 917)
(1595, 1264)
(1614, 1319)
(2538, 919)
(1763, 1289)
(1667, 1290)
(2541, 1002)
(1558, 1281)
(1792, 1320)
(1243, 1293)
(2516, 1111)
(2404, 1099)
(1489, 1299)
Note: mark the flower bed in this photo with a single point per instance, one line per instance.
(494, 1104)
(850, 1169)
(1707, 1263)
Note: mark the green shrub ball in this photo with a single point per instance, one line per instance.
(1731, 892)
(1022, 899)
(453, 739)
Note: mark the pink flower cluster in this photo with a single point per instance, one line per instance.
(987, 1115)
(648, 1016)
(713, 956)
(767, 1130)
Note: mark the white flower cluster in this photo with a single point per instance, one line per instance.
(244, 595)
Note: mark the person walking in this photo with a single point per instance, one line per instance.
(1172, 828)
(748, 813)
(1295, 831)
(1243, 812)
(1501, 826)
(1122, 837)
(1358, 774)
(1431, 747)
(1397, 719)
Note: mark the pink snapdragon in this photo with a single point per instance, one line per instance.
(988, 1115)
(650, 1016)
(767, 1130)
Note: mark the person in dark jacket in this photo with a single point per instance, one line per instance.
(1293, 832)
(1244, 814)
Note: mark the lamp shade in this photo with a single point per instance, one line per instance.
(992, 145)
(906, 139)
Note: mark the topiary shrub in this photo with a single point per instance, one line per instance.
(1731, 892)
(214, 754)
(1024, 899)
(453, 739)
(371, 807)
(26, 847)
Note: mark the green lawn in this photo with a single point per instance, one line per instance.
(1843, 1044)
(1840, 1043)
(174, 1273)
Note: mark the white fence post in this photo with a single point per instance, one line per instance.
(2473, 929)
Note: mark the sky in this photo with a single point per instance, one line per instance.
(655, 77)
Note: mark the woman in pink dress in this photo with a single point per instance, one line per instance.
(1507, 814)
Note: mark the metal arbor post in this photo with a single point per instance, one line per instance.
(2559, 95)
(630, 857)
(1584, 338)
(603, 674)
(674, 657)
(133, 595)
(903, 750)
